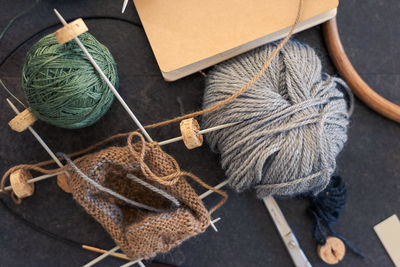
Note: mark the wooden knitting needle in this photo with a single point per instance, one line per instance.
(114, 254)
(104, 77)
(101, 257)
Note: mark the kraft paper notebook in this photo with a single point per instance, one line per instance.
(189, 35)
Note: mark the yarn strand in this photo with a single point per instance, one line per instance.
(11, 94)
(325, 209)
(113, 193)
(20, 14)
(245, 87)
(155, 125)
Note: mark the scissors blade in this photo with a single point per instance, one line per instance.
(289, 239)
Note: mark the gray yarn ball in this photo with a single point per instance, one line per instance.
(293, 121)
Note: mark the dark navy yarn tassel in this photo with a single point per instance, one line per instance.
(325, 209)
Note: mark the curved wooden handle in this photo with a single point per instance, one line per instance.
(350, 75)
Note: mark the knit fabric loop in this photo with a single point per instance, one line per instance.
(294, 121)
(61, 85)
(169, 179)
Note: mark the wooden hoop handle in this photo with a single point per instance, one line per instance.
(359, 87)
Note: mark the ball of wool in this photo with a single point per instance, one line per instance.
(293, 121)
(61, 85)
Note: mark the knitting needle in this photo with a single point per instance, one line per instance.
(114, 254)
(110, 85)
(117, 95)
(133, 262)
(211, 129)
(209, 192)
(45, 146)
(110, 253)
(34, 180)
(123, 256)
(38, 138)
(124, 6)
(169, 141)
(101, 257)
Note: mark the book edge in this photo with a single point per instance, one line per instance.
(215, 59)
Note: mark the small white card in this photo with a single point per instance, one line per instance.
(388, 232)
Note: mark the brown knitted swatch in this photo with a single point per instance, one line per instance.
(140, 233)
(102, 183)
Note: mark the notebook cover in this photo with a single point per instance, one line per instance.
(182, 32)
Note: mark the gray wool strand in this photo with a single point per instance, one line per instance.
(293, 121)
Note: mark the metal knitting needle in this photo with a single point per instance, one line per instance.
(34, 180)
(212, 224)
(133, 262)
(39, 139)
(109, 252)
(292, 244)
(288, 237)
(208, 130)
(165, 142)
(46, 147)
(124, 6)
(117, 95)
(101, 257)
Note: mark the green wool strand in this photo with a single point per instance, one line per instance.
(61, 85)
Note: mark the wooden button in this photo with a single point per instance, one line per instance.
(23, 120)
(333, 251)
(189, 130)
(70, 31)
(62, 182)
(19, 183)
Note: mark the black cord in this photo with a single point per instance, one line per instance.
(38, 228)
(136, 24)
(6, 207)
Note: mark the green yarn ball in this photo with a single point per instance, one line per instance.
(61, 85)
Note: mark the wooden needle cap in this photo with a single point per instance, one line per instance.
(19, 183)
(70, 31)
(23, 120)
(189, 130)
(62, 182)
(333, 251)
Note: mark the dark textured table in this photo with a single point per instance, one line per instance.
(247, 236)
